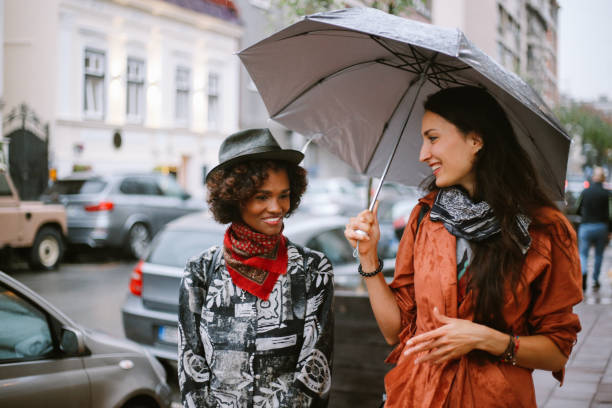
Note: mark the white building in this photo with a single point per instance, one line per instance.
(127, 84)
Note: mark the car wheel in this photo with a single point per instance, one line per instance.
(47, 250)
(139, 239)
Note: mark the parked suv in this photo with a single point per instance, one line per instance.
(31, 227)
(120, 210)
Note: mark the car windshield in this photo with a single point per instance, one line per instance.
(90, 186)
(175, 247)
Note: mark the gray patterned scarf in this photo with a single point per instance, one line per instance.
(474, 221)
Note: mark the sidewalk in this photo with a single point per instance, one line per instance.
(588, 375)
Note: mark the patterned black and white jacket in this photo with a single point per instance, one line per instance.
(236, 350)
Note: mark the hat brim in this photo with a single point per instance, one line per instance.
(291, 156)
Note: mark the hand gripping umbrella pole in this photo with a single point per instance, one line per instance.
(422, 78)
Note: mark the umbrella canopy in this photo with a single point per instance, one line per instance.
(355, 81)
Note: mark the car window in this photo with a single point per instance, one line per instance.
(5, 190)
(140, 186)
(170, 187)
(25, 332)
(333, 244)
(67, 187)
(174, 248)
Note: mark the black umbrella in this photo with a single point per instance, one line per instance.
(355, 80)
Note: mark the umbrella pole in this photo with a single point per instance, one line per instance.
(422, 79)
(421, 82)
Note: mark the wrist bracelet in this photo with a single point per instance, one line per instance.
(509, 355)
(370, 274)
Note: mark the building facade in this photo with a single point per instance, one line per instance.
(138, 85)
(521, 35)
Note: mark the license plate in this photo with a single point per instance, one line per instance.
(73, 210)
(168, 334)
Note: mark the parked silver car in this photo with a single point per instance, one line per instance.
(121, 210)
(333, 196)
(47, 360)
(150, 309)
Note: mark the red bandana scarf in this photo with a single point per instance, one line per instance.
(254, 260)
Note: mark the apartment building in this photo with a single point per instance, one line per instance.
(521, 35)
(127, 84)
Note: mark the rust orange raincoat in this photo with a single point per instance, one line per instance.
(426, 276)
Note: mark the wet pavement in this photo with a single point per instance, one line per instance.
(91, 291)
(588, 374)
(89, 287)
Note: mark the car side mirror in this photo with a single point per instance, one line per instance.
(185, 196)
(71, 342)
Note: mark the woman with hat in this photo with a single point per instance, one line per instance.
(255, 313)
(487, 270)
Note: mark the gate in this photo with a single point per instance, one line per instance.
(28, 152)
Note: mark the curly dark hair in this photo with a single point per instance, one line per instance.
(229, 187)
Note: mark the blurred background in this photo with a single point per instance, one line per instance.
(113, 111)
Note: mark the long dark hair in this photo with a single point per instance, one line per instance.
(506, 179)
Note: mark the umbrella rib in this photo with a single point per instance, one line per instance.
(307, 89)
(412, 65)
(435, 81)
(438, 75)
(421, 79)
(418, 57)
(423, 58)
(443, 76)
(389, 119)
(402, 67)
(386, 47)
(341, 33)
(451, 68)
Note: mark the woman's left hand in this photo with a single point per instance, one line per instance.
(455, 338)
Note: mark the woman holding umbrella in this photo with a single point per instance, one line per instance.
(255, 315)
(487, 271)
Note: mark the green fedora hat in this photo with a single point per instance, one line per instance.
(252, 144)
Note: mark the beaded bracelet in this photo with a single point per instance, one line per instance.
(370, 274)
(509, 355)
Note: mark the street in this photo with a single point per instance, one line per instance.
(90, 289)
(90, 293)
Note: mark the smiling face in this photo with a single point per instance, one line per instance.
(449, 152)
(265, 210)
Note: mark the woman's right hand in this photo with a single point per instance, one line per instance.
(366, 221)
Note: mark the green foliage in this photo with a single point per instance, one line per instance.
(294, 9)
(595, 129)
